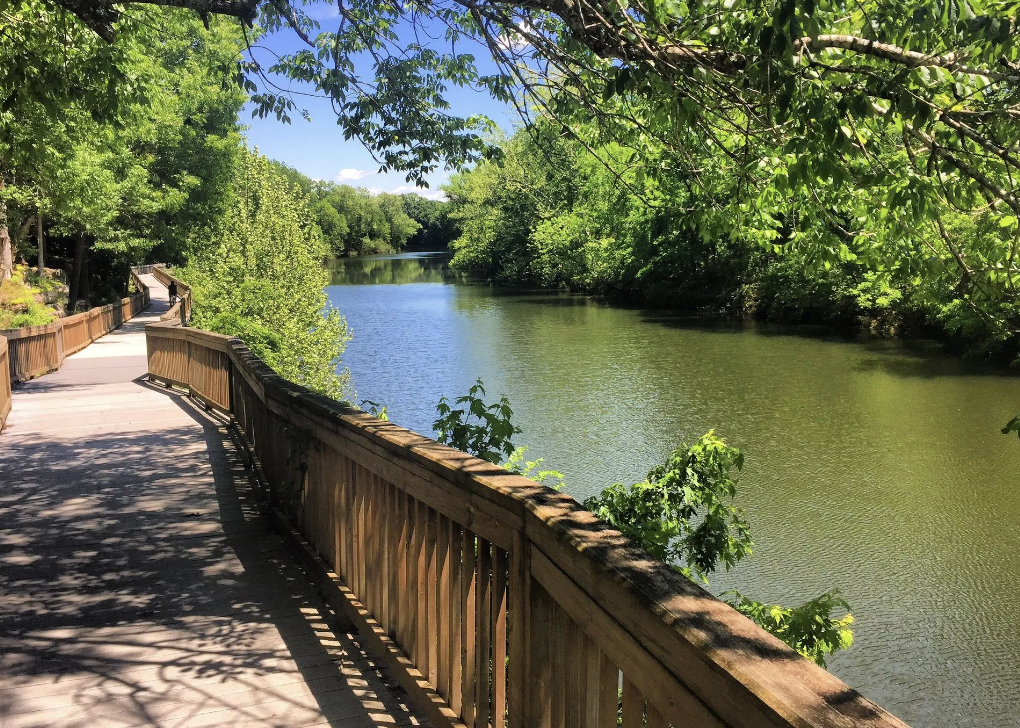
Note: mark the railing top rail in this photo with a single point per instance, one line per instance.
(160, 269)
(28, 331)
(744, 675)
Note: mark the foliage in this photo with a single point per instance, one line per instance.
(356, 222)
(353, 221)
(376, 409)
(846, 133)
(437, 229)
(19, 300)
(868, 135)
(264, 281)
(550, 213)
(483, 430)
(810, 628)
(134, 158)
(490, 435)
(531, 469)
(682, 512)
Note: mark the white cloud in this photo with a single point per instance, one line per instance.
(350, 174)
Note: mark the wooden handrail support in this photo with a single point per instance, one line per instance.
(32, 351)
(496, 601)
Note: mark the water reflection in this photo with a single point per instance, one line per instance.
(397, 269)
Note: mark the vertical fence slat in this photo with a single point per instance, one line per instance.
(500, 565)
(374, 582)
(411, 567)
(573, 659)
(539, 674)
(5, 382)
(608, 693)
(558, 648)
(443, 607)
(403, 585)
(421, 656)
(519, 604)
(456, 617)
(483, 628)
(392, 534)
(431, 593)
(468, 632)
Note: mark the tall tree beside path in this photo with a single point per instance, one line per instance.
(128, 145)
(48, 69)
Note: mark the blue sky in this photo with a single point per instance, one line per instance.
(317, 147)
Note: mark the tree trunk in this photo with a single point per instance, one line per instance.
(6, 250)
(39, 239)
(85, 284)
(79, 260)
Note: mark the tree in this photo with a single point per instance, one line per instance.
(137, 153)
(264, 281)
(49, 70)
(356, 222)
(437, 230)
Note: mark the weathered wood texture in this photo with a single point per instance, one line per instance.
(141, 582)
(5, 382)
(509, 602)
(36, 350)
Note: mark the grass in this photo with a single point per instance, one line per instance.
(18, 304)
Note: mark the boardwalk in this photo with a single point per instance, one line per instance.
(139, 581)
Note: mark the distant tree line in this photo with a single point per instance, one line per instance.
(354, 221)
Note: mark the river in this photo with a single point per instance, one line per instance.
(873, 467)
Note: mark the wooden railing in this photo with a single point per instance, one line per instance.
(165, 277)
(35, 350)
(496, 601)
(5, 382)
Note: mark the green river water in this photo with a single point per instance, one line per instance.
(873, 467)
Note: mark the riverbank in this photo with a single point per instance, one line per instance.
(767, 288)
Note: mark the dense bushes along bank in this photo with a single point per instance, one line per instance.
(550, 213)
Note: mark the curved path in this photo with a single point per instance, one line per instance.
(140, 584)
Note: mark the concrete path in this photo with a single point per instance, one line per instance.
(140, 584)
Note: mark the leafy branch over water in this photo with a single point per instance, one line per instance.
(682, 513)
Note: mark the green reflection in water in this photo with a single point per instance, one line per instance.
(874, 467)
(390, 270)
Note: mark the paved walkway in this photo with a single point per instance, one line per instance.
(140, 584)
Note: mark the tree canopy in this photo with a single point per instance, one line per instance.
(123, 148)
(846, 131)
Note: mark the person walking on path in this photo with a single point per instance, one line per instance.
(172, 290)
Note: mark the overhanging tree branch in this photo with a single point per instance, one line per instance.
(101, 15)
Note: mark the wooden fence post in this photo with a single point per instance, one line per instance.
(518, 698)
